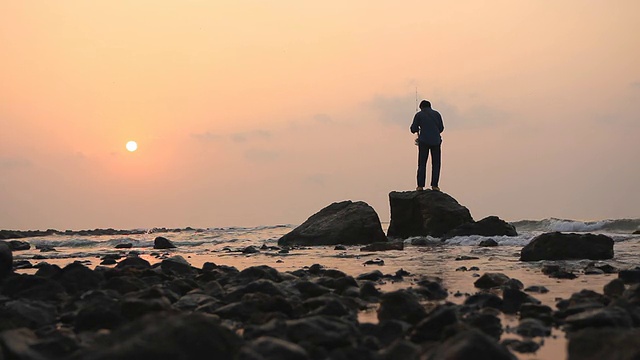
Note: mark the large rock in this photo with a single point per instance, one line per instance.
(346, 222)
(6, 260)
(489, 226)
(425, 213)
(561, 246)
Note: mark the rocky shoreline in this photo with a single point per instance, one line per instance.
(172, 310)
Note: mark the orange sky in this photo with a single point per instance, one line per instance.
(253, 113)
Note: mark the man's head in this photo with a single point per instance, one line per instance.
(425, 104)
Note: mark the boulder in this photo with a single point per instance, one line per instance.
(384, 246)
(425, 213)
(604, 343)
(346, 222)
(471, 344)
(162, 243)
(637, 232)
(169, 336)
(489, 226)
(6, 260)
(401, 305)
(561, 246)
(491, 280)
(17, 245)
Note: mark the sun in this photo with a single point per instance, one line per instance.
(132, 146)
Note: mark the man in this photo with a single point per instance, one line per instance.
(428, 124)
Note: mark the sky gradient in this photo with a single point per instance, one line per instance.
(259, 113)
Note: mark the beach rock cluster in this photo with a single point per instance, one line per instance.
(172, 310)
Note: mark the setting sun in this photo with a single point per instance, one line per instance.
(132, 146)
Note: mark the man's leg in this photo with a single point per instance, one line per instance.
(436, 155)
(423, 154)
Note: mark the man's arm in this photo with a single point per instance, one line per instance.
(414, 125)
(440, 123)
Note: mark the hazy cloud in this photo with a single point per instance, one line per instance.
(7, 164)
(206, 137)
(394, 110)
(250, 135)
(238, 137)
(322, 118)
(635, 85)
(261, 155)
(315, 179)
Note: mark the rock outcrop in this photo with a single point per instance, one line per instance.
(425, 213)
(489, 226)
(562, 246)
(345, 222)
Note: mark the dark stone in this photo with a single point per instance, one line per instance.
(177, 265)
(611, 316)
(310, 289)
(163, 243)
(190, 336)
(513, 299)
(489, 226)
(488, 243)
(432, 289)
(491, 280)
(637, 232)
(537, 311)
(561, 246)
(47, 270)
(604, 343)
(432, 327)
(368, 290)
(259, 272)
(539, 289)
(521, 346)
(6, 260)
(614, 288)
(486, 322)
(263, 286)
(400, 305)
(33, 287)
(374, 275)
(17, 245)
(401, 349)
(470, 344)
(77, 278)
(340, 247)
(99, 310)
(375, 261)
(346, 222)
(250, 250)
(135, 262)
(388, 332)
(27, 313)
(425, 213)
(629, 276)
(384, 246)
(124, 284)
(532, 327)
(484, 300)
(466, 257)
(323, 331)
(267, 347)
(124, 246)
(22, 264)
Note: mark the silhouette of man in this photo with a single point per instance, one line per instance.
(428, 124)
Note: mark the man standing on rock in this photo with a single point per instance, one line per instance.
(428, 124)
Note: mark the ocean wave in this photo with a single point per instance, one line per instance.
(566, 225)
